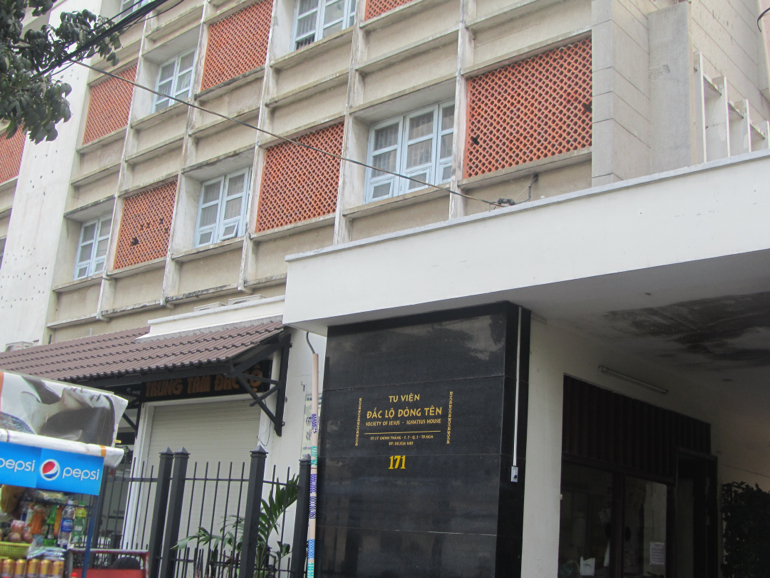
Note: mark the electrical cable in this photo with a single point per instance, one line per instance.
(289, 140)
(117, 27)
(765, 11)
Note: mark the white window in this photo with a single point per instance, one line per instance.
(418, 144)
(93, 245)
(317, 19)
(128, 6)
(221, 208)
(2, 251)
(174, 79)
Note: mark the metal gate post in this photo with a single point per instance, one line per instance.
(299, 543)
(253, 506)
(159, 511)
(171, 534)
(99, 506)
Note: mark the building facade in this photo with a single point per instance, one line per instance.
(610, 157)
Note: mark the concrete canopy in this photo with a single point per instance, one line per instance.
(674, 268)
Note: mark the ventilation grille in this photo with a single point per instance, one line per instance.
(299, 184)
(614, 429)
(237, 44)
(530, 110)
(11, 150)
(145, 226)
(109, 106)
(377, 7)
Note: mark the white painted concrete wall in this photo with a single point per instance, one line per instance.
(26, 276)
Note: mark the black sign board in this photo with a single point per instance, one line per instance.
(415, 457)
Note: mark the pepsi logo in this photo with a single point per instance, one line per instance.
(50, 470)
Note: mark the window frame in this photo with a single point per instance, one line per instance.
(434, 169)
(126, 4)
(93, 261)
(175, 91)
(348, 19)
(219, 226)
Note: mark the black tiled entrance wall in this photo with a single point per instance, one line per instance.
(449, 509)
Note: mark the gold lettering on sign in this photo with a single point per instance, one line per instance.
(397, 463)
(358, 423)
(449, 420)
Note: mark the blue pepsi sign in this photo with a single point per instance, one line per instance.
(50, 469)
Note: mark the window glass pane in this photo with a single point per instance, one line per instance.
(448, 117)
(446, 145)
(305, 5)
(184, 82)
(233, 208)
(229, 231)
(384, 161)
(101, 248)
(98, 266)
(165, 87)
(161, 104)
(186, 61)
(306, 24)
(334, 11)
(386, 136)
(88, 232)
(235, 185)
(85, 252)
(421, 125)
(104, 228)
(446, 174)
(419, 153)
(209, 216)
(82, 272)
(381, 191)
(167, 71)
(586, 521)
(334, 28)
(352, 12)
(205, 238)
(211, 193)
(305, 42)
(421, 176)
(644, 543)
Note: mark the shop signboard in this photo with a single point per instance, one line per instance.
(199, 386)
(47, 469)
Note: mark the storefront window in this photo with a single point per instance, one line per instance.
(644, 539)
(589, 528)
(586, 522)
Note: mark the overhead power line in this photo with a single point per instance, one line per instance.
(293, 141)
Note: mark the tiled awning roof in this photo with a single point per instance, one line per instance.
(122, 354)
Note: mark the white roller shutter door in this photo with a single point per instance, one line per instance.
(215, 433)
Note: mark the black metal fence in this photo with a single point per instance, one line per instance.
(216, 521)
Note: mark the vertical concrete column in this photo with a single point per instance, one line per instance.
(355, 136)
(717, 119)
(621, 94)
(672, 113)
(465, 46)
(281, 13)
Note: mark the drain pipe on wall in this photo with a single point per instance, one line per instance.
(313, 464)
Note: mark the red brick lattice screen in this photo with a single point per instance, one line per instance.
(109, 106)
(377, 7)
(11, 150)
(299, 184)
(145, 226)
(237, 44)
(529, 110)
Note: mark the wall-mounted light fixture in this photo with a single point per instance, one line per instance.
(629, 379)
